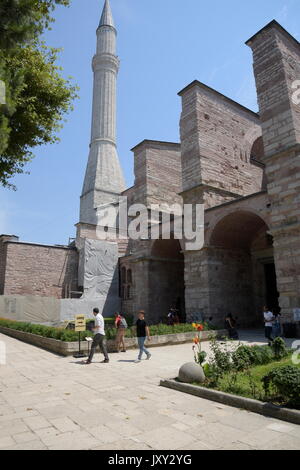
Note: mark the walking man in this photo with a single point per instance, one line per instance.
(99, 338)
(269, 317)
(142, 331)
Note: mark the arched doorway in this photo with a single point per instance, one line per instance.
(242, 271)
(166, 279)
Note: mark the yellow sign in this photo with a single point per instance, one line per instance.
(80, 323)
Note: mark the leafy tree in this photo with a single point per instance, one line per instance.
(37, 96)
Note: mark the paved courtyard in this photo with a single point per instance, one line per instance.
(50, 402)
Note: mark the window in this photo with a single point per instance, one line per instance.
(126, 283)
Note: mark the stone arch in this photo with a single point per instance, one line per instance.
(241, 267)
(178, 245)
(257, 151)
(251, 136)
(236, 228)
(170, 249)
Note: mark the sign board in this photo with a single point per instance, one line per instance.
(296, 312)
(80, 323)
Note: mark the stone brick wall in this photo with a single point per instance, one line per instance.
(140, 288)
(2, 264)
(45, 271)
(3, 255)
(219, 280)
(217, 136)
(276, 56)
(157, 168)
(276, 65)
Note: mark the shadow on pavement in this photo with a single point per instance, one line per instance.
(126, 360)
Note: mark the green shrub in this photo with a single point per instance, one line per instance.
(219, 363)
(130, 320)
(246, 356)
(279, 348)
(286, 382)
(262, 355)
(243, 357)
(42, 330)
(71, 335)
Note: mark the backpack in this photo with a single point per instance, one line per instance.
(123, 323)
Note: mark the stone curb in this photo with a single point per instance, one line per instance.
(266, 409)
(69, 348)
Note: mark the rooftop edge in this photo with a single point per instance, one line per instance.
(220, 95)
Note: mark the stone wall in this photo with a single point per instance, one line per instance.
(40, 270)
(228, 274)
(157, 168)
(276, 66)
(217, 136)
(221, 281)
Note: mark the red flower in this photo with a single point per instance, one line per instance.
(200, 328)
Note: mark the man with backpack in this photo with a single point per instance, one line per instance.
(121, 325)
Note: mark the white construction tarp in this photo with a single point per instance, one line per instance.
(30, 308)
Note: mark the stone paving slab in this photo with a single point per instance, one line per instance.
(49, 402)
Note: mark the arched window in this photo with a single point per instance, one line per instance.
(123, 275)
(128, 292)
(126, 283)
(257, 151)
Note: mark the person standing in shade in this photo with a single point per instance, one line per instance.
(99, 338)
(277, 325)
(142, 331)
(269, 318)
(230, 325)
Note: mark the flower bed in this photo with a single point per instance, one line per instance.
(262, 373)
(251, 383)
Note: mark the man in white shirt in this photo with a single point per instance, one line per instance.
(99, 338)
(268, 317)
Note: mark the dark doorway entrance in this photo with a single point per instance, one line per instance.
(166, 279)
(272, 295)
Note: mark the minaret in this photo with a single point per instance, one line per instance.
(104, 179)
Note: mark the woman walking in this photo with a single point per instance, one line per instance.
(121, 326)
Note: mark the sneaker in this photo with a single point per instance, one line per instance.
(105, 361)
(87, 362)
(124, 350)
(138, 360)
(149, 357)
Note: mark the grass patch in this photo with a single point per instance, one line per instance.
(249, 383)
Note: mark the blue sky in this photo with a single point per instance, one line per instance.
(163, 45)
